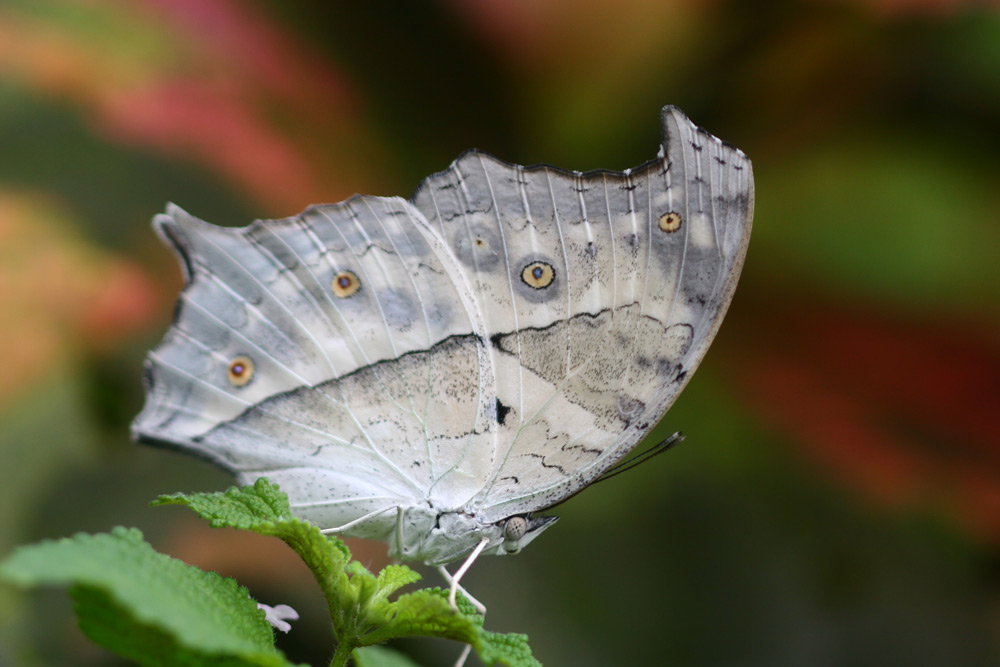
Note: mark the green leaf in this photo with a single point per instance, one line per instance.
(380, 656)
(263, 508)
(394, 577)
(427, 613)
(112, 626)
(247, 508)
(151, 608)
(509, 649)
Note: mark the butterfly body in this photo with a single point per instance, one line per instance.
(426, 371)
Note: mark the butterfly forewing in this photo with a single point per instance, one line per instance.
(340, 387)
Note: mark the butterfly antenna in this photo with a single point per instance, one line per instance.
(638, 459)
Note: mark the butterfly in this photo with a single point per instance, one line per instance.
(432, 371)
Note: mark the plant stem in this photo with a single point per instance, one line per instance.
(342, 655)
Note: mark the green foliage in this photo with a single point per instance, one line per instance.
(146, 606)
(157, 610)
(379, 656)
(360, 610)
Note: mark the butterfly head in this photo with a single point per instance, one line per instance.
(520, 529)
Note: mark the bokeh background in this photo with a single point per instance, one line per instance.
(837, 501)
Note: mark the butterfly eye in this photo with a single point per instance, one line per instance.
(670, 222)
(345, 284)
(538, 275)
(240, 371)
(515, 528)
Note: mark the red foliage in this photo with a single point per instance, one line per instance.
(267, 58)
(216, 125)
(909, 411)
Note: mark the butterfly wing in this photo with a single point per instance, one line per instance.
(320, 351)
(634, 271)
(491, 346)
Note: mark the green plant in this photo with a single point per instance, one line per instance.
(157, 610)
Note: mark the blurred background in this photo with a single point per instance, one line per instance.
(837, 501)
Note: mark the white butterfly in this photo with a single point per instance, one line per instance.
(430, 372)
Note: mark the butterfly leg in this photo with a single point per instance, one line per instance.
(480, 607)
(351, 524)
(455, 578)
(465, 654)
